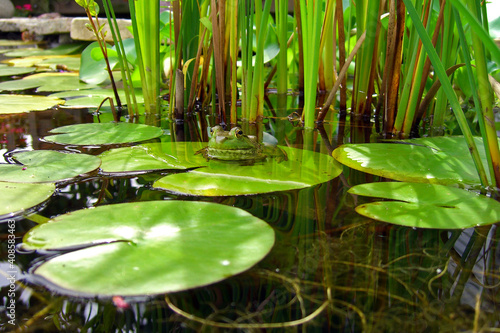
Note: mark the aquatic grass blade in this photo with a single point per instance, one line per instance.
(446, 85)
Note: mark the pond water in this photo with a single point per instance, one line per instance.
(329, 270)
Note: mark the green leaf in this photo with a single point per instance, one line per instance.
(71, 63)
(207, 23)
(19, 197)
(427, 205)
(103, 134)
(303, 169)
(46, 82)
(93, 97)
(63, 49)
(150, 247)
(440, 160)
(152, 156)
(6, 70)
(94, 71)
(24, 103)
(47, 166)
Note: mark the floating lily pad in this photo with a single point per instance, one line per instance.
(152, 156)
(24, 103)
(150, 247)
(47, 166)
(427, 205)
(19, 197)
(303, 169)
(46, 82)
(441, 160)
(103, 133)
(70, 63)
(63, 49)
(6, 70)
(93, 97)
(17, 43)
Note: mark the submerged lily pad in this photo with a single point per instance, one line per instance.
(303, 169)
(25, 103)
(103, 133)
(150, 247)
(47, 166)
(427, 205)
(441, 160)
(46, 82)
(19, 197)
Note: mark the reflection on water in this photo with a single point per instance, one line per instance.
(330, 270)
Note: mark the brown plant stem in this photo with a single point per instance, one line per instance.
(343, 71)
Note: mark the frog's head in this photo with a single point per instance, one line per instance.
(235, 139)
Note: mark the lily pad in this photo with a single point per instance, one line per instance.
(19, 197)
(63, 49)
(438, 160)
(103, 133)
(149, 247)
(46, 82)
(93, 97)
(24, 103)
(152, 156)
(69, 63)
(6, 70)
(427, 205)
(303, 169)
(47, 166)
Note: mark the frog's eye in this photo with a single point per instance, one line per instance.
(236, 132)
(215, 129)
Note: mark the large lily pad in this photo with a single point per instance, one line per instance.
(25, 103)
(303, 169)
(151, 247)
(46, 82)
(441, 160)
(19, 197)
(47, 166)
(103, 133)
(427, 205)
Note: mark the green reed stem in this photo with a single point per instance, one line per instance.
(281, 26)
(485, 96)
(367, 16)
(477, 104)
(257, 97)
(311, 30)
(246, 21)
(478, 29)
(146, 25)
(448, 56)
(233, 55)
(446, 85)
(128, 86)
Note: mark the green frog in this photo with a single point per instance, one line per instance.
(234, 145)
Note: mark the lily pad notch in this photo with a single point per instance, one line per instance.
(427, 206)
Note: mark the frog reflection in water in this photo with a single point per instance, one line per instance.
(236, 146)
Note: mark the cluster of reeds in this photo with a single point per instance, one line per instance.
(396, 60)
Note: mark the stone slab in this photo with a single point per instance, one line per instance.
(38, 26)
(79, 30)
